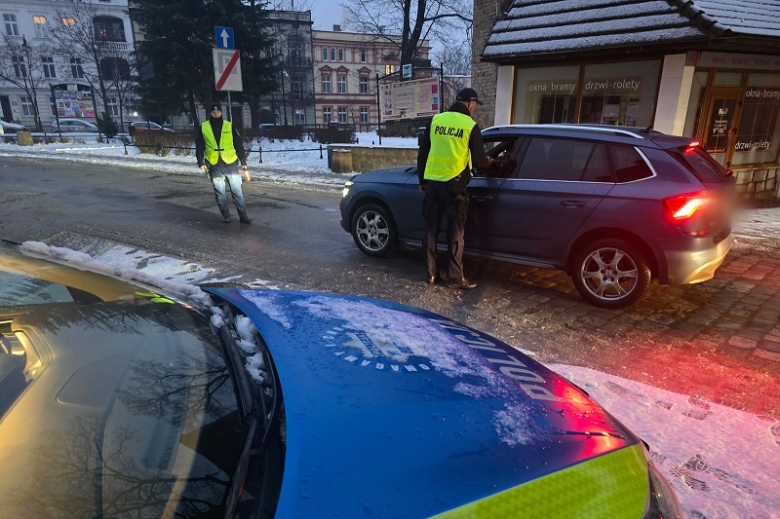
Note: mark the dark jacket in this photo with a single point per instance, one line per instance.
(478, 158)
(216, 127)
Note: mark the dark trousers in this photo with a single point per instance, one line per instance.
(444, 199)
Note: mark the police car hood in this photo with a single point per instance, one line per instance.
(393, 411)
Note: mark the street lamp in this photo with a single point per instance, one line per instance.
(283, 74)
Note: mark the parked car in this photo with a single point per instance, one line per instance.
(74, 125)
(147, 126)
(613, 207)
(131, 401)
(12, 127)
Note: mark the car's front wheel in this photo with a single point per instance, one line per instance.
(611, 273)
(373, 230)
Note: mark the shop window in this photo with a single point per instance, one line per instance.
(546, 95)
(696, 102)
(727, 79)
(758, 134)
(621, 94)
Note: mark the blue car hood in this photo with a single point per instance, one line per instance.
(393, 411)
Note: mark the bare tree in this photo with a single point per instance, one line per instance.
(82, 38)
(290, 5)
(415, 21)
(455, 60)
(19, 68)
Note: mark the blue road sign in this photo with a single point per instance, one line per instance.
(224, 37)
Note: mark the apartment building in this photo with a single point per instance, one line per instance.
(346, 66)
(45, 73)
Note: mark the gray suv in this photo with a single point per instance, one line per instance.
(614, 207)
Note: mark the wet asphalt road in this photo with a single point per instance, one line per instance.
(719, 340)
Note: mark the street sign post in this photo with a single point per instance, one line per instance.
(406, 71)
(227, 70)
(224, 37)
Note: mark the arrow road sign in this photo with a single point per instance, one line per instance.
(224, 37)
(227, 70)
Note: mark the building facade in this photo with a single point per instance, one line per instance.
(48, 73)
(293, 102)
(346, 66)
(691, 68)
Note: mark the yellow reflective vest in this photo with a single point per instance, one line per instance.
(226, 150)
(449, 155)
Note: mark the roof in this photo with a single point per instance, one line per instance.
(533, 28)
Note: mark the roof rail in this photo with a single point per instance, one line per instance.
(604, 129)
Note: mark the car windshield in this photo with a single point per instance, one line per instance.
(117, 399)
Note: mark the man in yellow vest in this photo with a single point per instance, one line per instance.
(449, 149)
(218, 147)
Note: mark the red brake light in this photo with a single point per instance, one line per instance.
(684, 206)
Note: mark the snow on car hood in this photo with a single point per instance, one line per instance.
(376, 392)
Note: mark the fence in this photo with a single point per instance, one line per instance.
(159, 149)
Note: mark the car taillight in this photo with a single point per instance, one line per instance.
(685, 206)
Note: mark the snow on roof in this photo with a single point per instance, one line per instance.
(560, 26)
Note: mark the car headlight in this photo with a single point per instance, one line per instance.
(348, 184)
(662, 503)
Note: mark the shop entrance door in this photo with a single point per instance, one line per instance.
(717, 133)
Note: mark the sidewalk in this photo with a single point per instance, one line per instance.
(758, 223)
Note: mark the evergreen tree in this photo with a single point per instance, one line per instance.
(175, 58)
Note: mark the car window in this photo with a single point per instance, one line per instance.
(703, 166)
(628, 164)
(597, 168)
(503, 150)
(557, 159)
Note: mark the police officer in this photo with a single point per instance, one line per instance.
(217, 148)
(449, 149)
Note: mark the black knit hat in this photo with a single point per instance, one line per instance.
(215, 105)
(468, 94)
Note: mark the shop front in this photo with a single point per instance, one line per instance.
(733, 106)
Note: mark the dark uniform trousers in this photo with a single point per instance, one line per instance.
(448, 199)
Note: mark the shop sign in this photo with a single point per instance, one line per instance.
(613, 86)
(720, 124)
(565, 87)
(737, 61)
(409, 99)
(759, 117)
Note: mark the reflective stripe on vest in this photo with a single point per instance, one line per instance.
(225, 150)
(449, 155)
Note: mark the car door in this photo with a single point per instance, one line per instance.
(483, 192)
(557, 186)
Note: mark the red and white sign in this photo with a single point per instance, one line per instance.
(227, 70)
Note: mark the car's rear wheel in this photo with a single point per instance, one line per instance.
(611, 273)
(373, 230)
